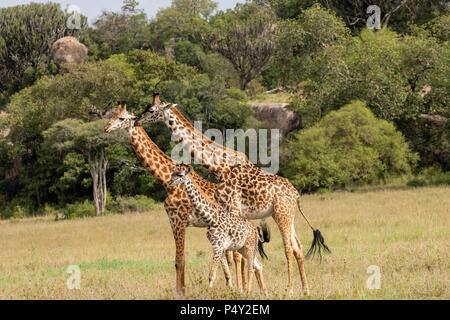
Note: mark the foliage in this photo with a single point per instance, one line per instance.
(246, 37)
(381, 68)
(183, 20)
(27, 33)
(347, 147)
(138, 203)
(318, 53)
(430, 176)
(119, 32)
(301, 40)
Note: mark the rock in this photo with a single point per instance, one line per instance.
(69, 49)
(276, 116)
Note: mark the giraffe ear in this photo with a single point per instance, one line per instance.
(156, 98)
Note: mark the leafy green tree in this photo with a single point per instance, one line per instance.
(347, 147)
(301, 40)
(35, 109)
(246, 37)
(74, 135)
(119, 32)
(27, 33)
(183, 20)
(151, 69)
(382, 68)
(396, 14)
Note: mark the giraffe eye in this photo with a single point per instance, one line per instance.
(121, 119)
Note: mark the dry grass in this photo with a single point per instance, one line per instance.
(406, 232)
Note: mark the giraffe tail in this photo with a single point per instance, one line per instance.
(318, 243)
(263, 234)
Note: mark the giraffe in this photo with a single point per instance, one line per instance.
(177, 204)
(262, 194)
(227, 230)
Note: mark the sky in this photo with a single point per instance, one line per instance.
(93, 8)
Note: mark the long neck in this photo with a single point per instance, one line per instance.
(156, 162)
(211, 155)
(207, 209)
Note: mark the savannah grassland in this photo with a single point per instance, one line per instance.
(406, 232)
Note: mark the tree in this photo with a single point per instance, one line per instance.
(183, 20)
(87, 138)
(27, 33)
(347, 147)
(35, 109)
(246, 37)
(301, 40)
(396, 14)
(382, 68)
(119, 32)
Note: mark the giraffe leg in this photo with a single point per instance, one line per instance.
(226, 270)
(285, 231)
(298, 253)
(179, 235)
(259, 276)
(243, 271)
(217, 256)
(229, 257)
(250, 271)
(237, 261)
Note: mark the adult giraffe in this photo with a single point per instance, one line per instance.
(262, 194)
(178, 206)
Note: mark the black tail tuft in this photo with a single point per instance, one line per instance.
(265, 232)
(263, 237)
(317, 245)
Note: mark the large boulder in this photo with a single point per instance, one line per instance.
(276, 116)
(69, 49)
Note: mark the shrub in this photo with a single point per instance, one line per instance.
(79, 209)
(430, 176)
(139, 203)
(347, 147)
(17, 208)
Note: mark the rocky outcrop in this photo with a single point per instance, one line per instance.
(69, 49)
(276, 116)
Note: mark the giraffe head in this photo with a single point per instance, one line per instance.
(154, 112)
(121, 119)
(179, 174)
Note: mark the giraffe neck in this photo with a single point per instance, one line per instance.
(208, 210)
(156, 162)
(211, 155)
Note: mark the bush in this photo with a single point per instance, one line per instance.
(17, 208)
(347, 147)
(79, 209)
(139, 203)
(430, 176)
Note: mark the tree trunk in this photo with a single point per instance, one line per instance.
(243, 83)
(98, 163)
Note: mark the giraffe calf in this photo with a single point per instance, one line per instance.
(227, 230)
